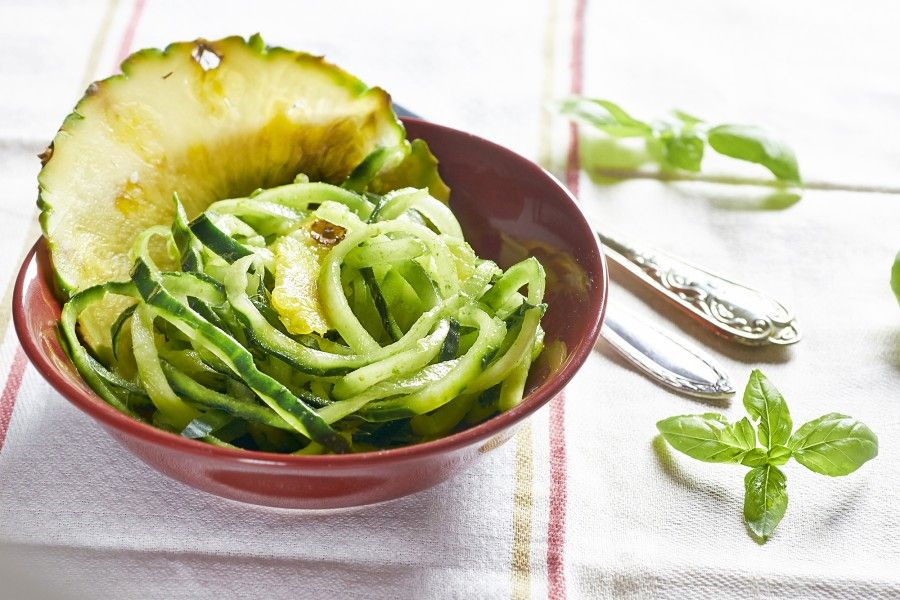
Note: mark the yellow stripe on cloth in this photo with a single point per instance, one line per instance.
(522, 514)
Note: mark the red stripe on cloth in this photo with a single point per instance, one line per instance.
(128, 37)
(556, 529)
(576, 68)
(11, 391)
(572, 162)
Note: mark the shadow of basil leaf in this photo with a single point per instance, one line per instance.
(761, 199)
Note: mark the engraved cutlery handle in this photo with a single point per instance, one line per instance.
(734, 311)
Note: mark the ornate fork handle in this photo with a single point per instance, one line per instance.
(735, 311)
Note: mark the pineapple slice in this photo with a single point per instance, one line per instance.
(206, 119)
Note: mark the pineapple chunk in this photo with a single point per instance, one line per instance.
(298, 260)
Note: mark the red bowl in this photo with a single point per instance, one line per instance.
(508, 207)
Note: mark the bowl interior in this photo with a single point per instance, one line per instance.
(509, 208)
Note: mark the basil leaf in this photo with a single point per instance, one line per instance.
(619, 114)
(605, 116)
(834, 444)
(895, 277)
(765, 499)
(778, 455)
(755, 458)
(708, 437)
(752, 144)
(684, 150)
(744, 433)
(765, 404)
(686, 118)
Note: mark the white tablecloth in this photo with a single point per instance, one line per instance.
(585, 502)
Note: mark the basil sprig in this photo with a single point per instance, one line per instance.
(679, 142)
(834, 445)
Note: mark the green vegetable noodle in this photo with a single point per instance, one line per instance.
(313, 318)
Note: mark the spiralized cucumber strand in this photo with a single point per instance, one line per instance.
(400, 364)
(299, 197)
(88, 367)
(398, 202)
(384, 252)
(428, 376)
(521, 347)
(150, 370)
(490, 334)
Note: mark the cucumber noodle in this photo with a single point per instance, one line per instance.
(397, 332)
